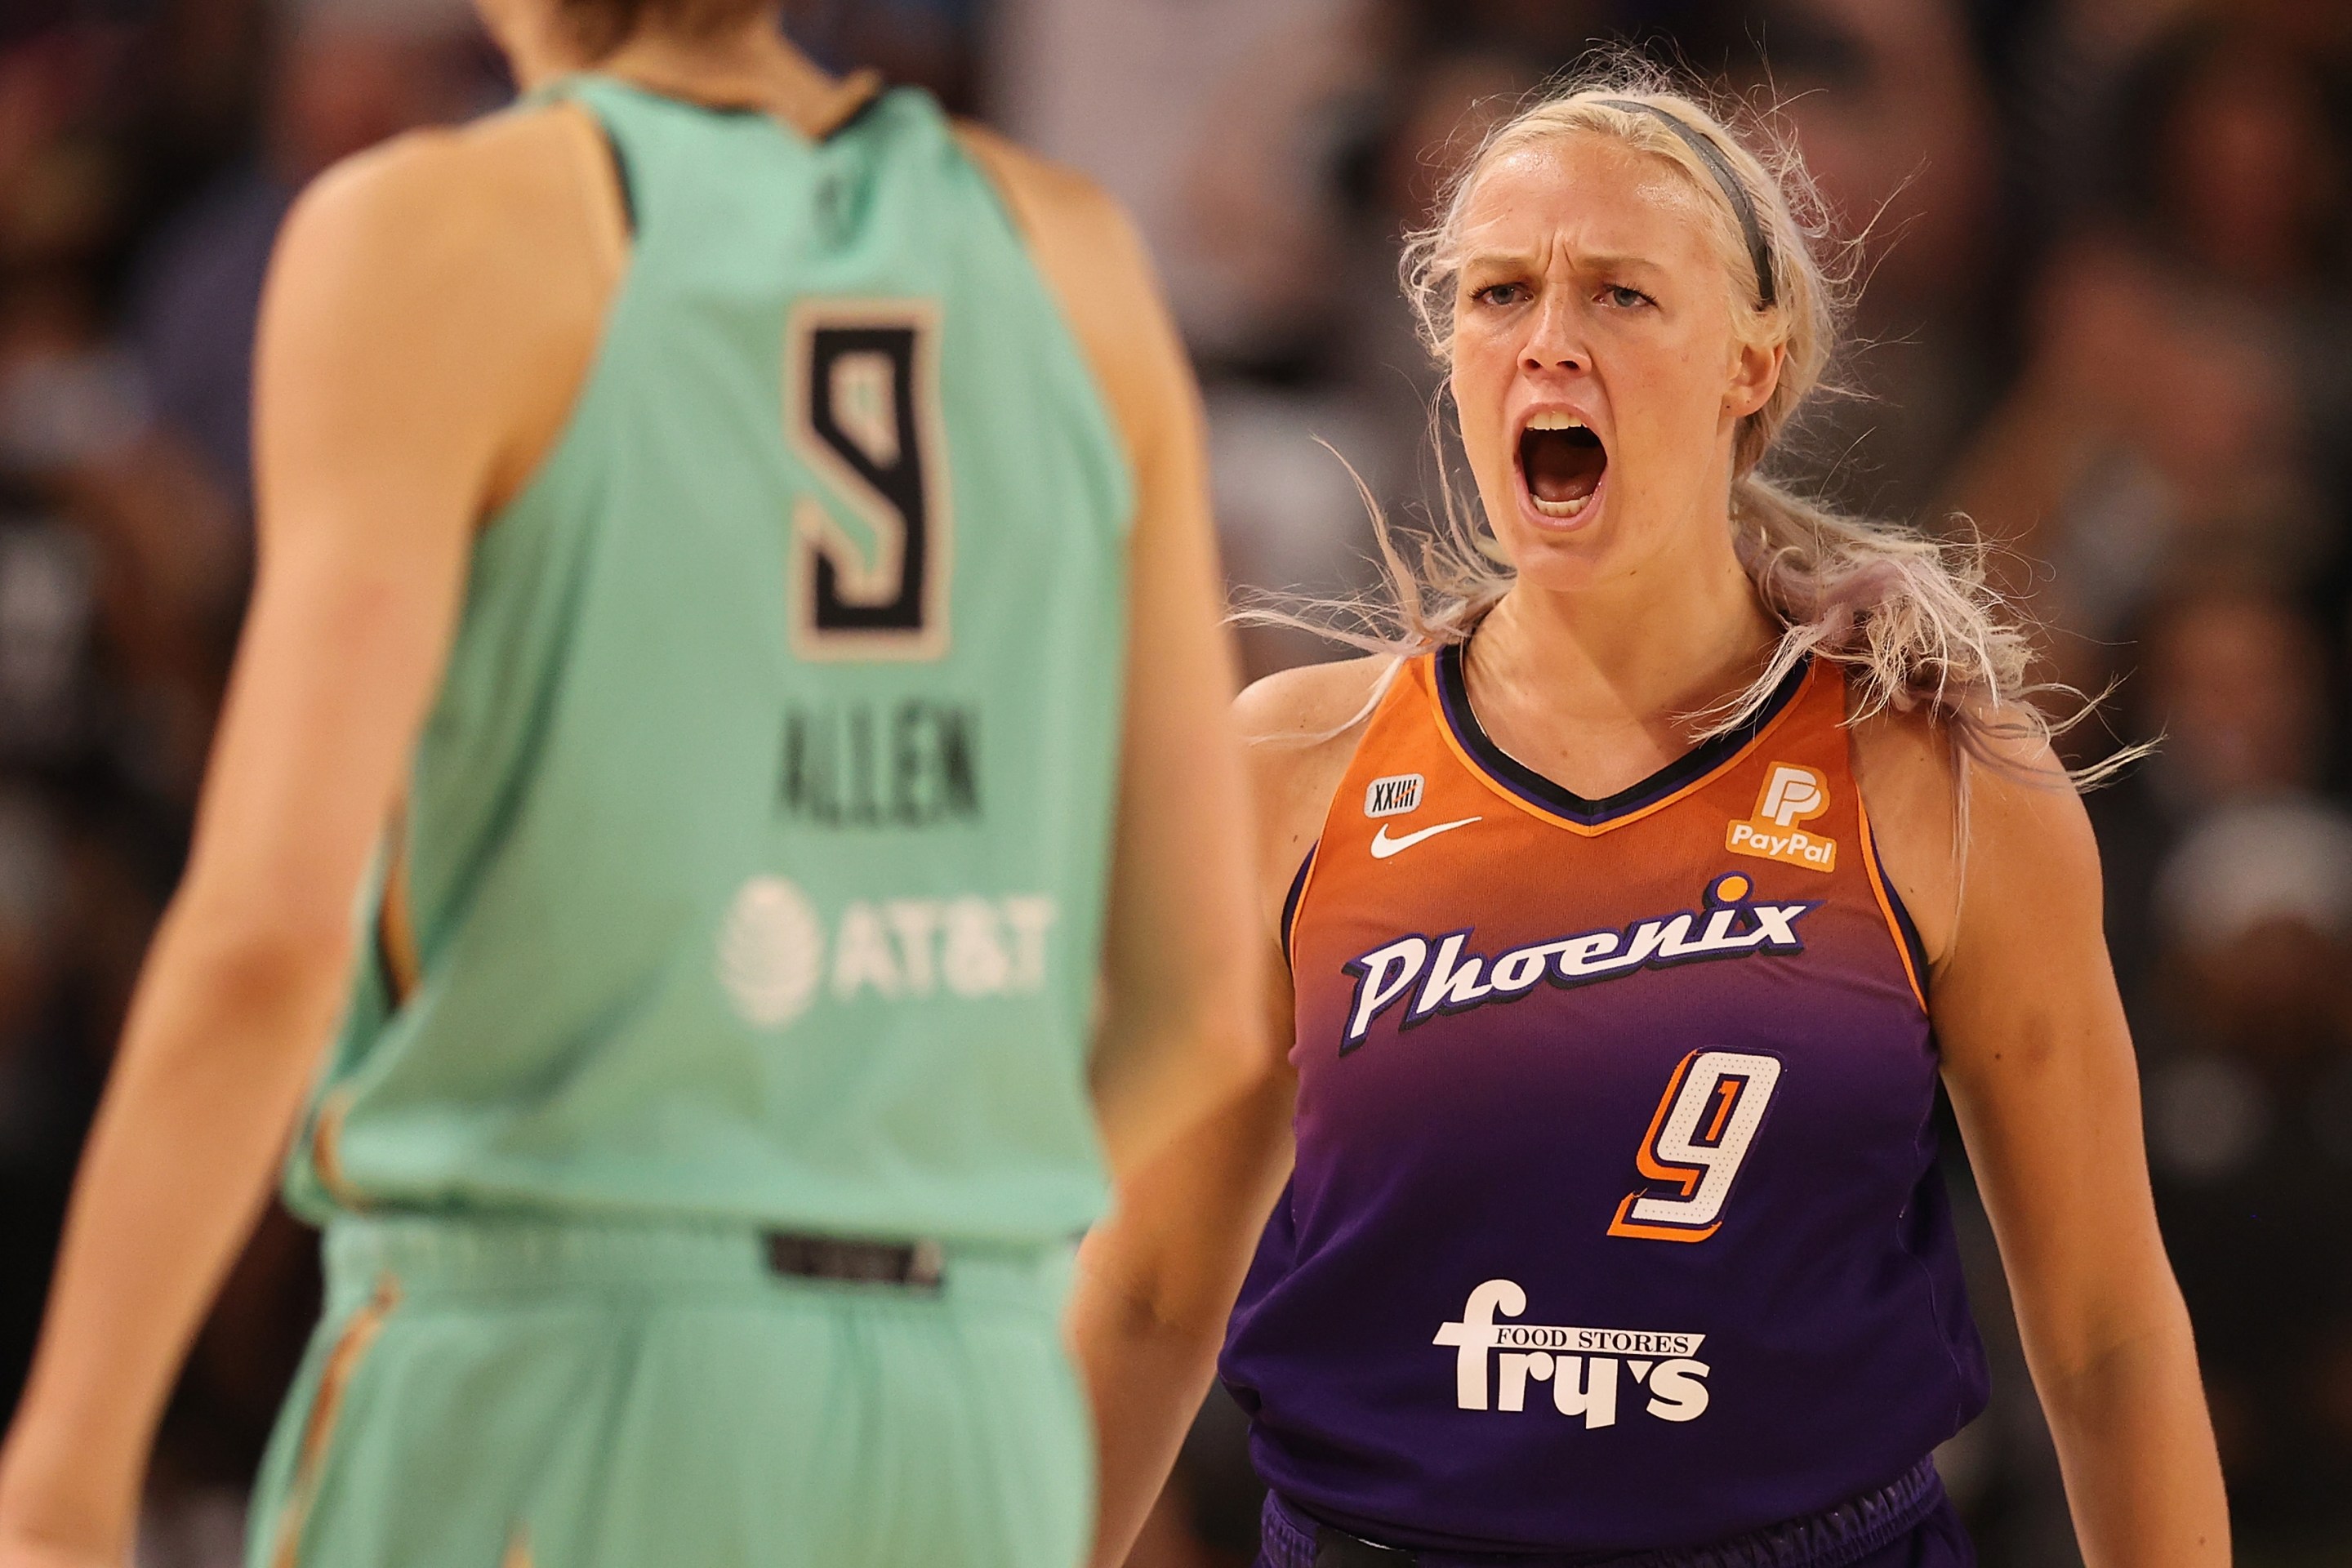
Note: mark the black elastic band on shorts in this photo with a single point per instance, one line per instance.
(1835, 1537)
(918, 1265)
(1720, 167)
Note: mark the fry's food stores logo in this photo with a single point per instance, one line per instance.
(1584, 1366)
(1792, 794)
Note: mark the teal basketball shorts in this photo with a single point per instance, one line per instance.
(493, 1394)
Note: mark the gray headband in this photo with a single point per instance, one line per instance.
(1720, 167)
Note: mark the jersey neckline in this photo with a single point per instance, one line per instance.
(1553, 799)
(855, 95)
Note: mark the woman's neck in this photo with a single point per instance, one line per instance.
(1595, 688)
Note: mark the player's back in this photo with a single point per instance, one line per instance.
(754, 854)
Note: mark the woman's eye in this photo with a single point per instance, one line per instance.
(1625, 299)
(1501, 294)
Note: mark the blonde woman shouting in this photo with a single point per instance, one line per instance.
(1634, 900)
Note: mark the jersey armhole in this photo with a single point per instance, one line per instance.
(624, 186)
(1383, 693)
(607, 183)
(1907, 945)
(1297, 895)
(397, 954)
(1062, 263)
(606, 174)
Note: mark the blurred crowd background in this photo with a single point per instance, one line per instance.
(2108, 249)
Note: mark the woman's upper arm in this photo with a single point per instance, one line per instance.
(1301, 727)
(2037, 1055)
(390, 360)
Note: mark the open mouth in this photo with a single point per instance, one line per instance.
(1561, 462)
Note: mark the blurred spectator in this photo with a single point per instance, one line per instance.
(2230, 164)
(74, 916)
(2237, 679)
(62, 185)
(126, 527)
(2154, 436)
(2222, 155)
(2249, 1104)
(46, 608)
(2234, 680)
(2188, 353)
(1887, 101)
(36, 1115)
(930, 44)
(200, 66)
(1219, 123)
(2229, 881)
(348, 74)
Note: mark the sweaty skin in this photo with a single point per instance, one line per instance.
(431, 316)
(1589, 286)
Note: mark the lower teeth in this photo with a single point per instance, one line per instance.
(1562, 508)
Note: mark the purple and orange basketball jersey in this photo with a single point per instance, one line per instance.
(1616, 1220)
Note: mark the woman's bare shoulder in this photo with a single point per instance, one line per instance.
(470, 169)
(1301, 727)
(1311, 703)
(1938, 835)
(1903, 765)
(482, 259)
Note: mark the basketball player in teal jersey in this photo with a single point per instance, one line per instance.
(747, 538)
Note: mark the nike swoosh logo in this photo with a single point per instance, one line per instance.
(1383, 845)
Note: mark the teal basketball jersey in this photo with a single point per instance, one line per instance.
(754, 857)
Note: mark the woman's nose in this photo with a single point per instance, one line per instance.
(1553, 343)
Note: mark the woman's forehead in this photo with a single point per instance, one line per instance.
(1596, 196)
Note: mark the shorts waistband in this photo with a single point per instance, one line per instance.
(442, 1255)
(1834, 1536)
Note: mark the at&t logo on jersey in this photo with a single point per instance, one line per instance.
(1585, 1367)
(774, 959)
(1451, 980)
(1792, 794)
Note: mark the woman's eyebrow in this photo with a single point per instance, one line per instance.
(1489, 259)
(1611, 262)
(1594, 261)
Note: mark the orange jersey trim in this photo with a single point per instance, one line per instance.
(1885, 903)
(319, 1426)
(395, 926)
(326, 1148)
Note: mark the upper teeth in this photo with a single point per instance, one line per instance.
(1551, 421)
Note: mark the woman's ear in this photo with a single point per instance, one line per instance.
(1755, 373)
